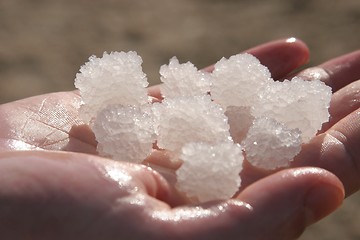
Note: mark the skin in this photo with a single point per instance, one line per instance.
(59, 189)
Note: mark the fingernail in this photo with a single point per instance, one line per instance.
(321, 201)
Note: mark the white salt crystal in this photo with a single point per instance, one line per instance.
(125, 132)
(183, 80)
(210, 172)
(270, 144)
(297, 103)
(116, 78)
(189, 119)
(237, 80)
(240, 120)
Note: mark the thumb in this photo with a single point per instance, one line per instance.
(285, 203)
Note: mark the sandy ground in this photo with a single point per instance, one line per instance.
(43, 43)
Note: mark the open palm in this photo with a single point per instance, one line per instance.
(67, 192)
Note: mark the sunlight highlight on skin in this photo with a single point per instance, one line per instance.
(124, 180)
(20, 145)
(332, 138)
(197, 212)
(291, 40)
(117, 175)
(183, 214)
(300, 172)
(134, 199)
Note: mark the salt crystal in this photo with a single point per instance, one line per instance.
(190, 119)
(297, 103)
(125, 132)
(183, 80)
(270, 144)
(210, 172)
(116, 78)
(237, 80)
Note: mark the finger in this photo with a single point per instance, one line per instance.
(343, 102)
(296, 197)
(337, 72)
(80, 202)
(281, 57)
(277, 207)
(160, 161)
(336, 150)
(43, 166)
(53, 195)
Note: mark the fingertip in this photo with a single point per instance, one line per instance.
(159, 187)
(282, 56)
(302, 48)
(293, 199)
(154, 92)
(292, 45)
(323, 200)
(325, 192)
(337, 72)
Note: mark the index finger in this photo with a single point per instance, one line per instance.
(280, 56)
(337, 72)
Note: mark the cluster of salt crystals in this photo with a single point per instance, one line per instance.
(125, 132)
(282, 115)
(116, 78)
(245, 106)
(273, 141)
(210, 171)
(189, 119)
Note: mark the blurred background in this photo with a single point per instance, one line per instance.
(43, 43)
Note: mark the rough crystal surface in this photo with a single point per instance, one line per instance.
(189, 119)
(297, 103)
(270, 144)
(115, 78)
(183, 80)
(210, 172)
(125, 132)
(238, 80)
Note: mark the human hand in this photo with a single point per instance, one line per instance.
(68, 195)
(335, 148)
